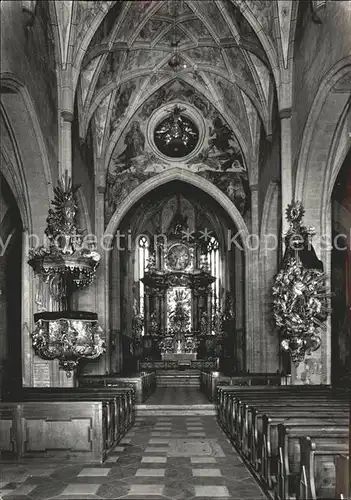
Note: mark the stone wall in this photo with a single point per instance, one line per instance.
(27, 53)
(318, 47)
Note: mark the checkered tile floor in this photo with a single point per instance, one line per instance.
(172, 457)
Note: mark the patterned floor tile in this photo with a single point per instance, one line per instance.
(81, 489)
(112, 459)
(154, 460)
(155, 449)
(150, 472)
(211, 491)
(92, 471)
(158, 441)
(161, 457)
(206, 472)
(24, 489)
(146, 489)
(203, 460)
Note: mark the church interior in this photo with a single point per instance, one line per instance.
(175, 263)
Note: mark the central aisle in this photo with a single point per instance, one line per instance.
(181, 458)
(170, 457)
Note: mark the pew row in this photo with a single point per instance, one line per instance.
(290, 456)
(343, 476)
(69, 424)
(266, 425)
(317, 467)
(144, 383)
(210, 380)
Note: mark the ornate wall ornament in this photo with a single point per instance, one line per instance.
(299, 291)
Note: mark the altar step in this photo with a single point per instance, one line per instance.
(174, 378)
(175, 410)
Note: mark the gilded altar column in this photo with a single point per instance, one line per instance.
(163, 310)
(147, 310)
(209, 310)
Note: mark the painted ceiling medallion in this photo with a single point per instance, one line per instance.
(177, 135)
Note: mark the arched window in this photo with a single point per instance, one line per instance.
(214, 267)
(143, 251)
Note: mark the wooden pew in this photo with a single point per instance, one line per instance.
(111, 434)
(59, 430)
(121, 413)
(144, 383)
(317, 468)
(241, 411)
(289, 451)
(342, 477)
(268, 451)
(211, 381)
(10, 430)
(239, 403)
(250, 420)
(227, 394)
(238, 423)
(237, 418)
(127, 396)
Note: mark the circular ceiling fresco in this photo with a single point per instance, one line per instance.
(176, 136)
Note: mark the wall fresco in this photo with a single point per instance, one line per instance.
(219, 160)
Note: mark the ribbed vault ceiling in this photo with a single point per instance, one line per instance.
(219, 55)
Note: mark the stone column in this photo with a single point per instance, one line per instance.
(115, 311)
(27, 314)
(102, 365)
(67, 115)
(286, 167)
(255, 347)
(66, 143)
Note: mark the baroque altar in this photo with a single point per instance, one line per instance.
(178, 295)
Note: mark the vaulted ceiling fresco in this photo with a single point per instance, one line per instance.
(213, 55)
